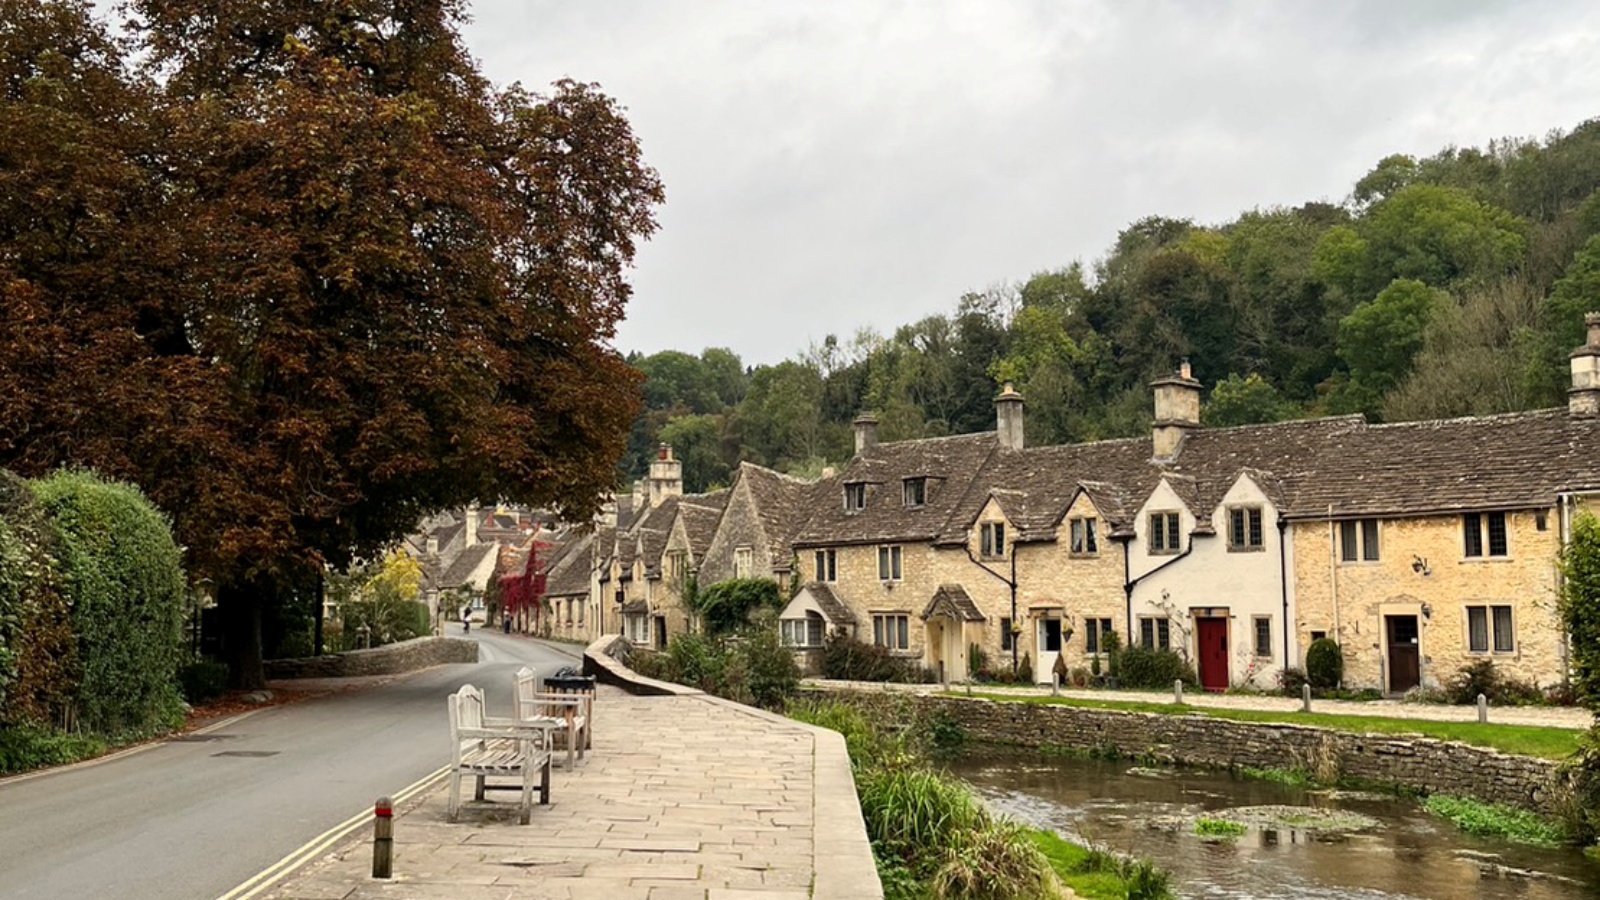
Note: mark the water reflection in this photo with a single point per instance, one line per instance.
(1150, 813)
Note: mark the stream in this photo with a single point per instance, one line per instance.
(1298, 843)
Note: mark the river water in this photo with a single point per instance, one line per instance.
(1150, 813)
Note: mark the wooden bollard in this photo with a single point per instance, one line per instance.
(1483, 710)
(383, 838)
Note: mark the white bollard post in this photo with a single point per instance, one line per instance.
(1177, 691)
(1055, 684)
(1305, 698)
(1483, 710)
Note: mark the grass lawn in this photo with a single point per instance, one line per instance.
(1523, 740)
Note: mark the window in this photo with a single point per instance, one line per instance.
(1005, 634)
(914, 491)
(1085, 542)
(743, 562)
(888, 563)
(827, 566)
(638, 628)
(675, 565)
(1318, 635)
(993, 538)
(806, 632)
(1263, 626)
(1095, 631)
(891, 630)
(1155, 634)
(1244, 528)
(855, 496)
(1481, 531)
(1164, 532)
(1480, 619)
(1358, 540)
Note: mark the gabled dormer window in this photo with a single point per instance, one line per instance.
(1164, 536)
(914, 491)
(855, 496)
(992, 537)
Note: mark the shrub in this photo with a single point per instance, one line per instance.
(770, 670)
(202, 681)
(26, 747)
(1025, 670)
(848, 659)
(1142, 667)
(1482, 677)
(726, 606)
(1292, 681)
(38, 662)
(126, 589)
(1324, 664)
(977, 659)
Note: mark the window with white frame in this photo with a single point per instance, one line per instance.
(1358, 540)
(1164, 532)
(992, 539)
(1490, 626)
(637, 626)
(1244, 528)
(855, 496)
(827, 566)
(1155, 633)
(1094, 634)
(801, 633)
(891, 630)
(1263, 636)
(676, 565)
(743, 562)
(1084, 535)
(889, 563)
(1484, 534)
(914, 491)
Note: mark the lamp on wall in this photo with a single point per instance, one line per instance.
(1427, 611)
(1420, 566)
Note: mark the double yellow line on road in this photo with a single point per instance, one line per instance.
(320, 844)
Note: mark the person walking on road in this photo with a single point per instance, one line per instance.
(466, 619)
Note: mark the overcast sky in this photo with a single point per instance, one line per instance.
(834, 165)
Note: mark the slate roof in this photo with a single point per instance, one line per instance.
(781, 503)
(701, 513)
(567, 566)
(949, 463)
(952, 600)
(466, 564)
(1510, 461)
(833, 608)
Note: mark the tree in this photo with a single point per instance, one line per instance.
(1382, 337)
(1580, 614)
(363, 284)
(697, 441)
(1245, 401)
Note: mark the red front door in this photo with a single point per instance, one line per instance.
(1211, 639)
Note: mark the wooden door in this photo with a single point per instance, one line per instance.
(1405, 669)
(1211, 640)
(1049, 649)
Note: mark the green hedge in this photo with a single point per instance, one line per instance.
(38, 670)
(122, 575)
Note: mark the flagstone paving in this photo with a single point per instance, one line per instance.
(681, 797)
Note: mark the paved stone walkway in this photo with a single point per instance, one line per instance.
(1550, 716)
(681, 797)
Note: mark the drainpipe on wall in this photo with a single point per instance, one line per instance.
(1130, 583)
(1010, 583)
(1283, 581)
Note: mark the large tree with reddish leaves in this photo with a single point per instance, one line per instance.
(305, 275)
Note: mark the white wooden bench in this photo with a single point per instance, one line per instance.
(482, 748)
(571, 713)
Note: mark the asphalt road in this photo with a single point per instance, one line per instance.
(190, 819)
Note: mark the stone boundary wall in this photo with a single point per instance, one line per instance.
(1424, 764)
(391, 659)
(602, 660)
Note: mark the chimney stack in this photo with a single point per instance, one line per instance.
(866, 426)
(608, 512)
(472, 524)
(666, 476)
(1177, 411)
(1008, 418)
(1583, 399)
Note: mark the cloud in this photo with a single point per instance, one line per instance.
(832, 165)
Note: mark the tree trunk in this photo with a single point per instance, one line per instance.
(240, 604)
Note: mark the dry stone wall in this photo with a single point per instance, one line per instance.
(1423, 764)
(392, 659)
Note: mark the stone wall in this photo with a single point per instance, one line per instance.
(1423, 764)
(406, 656)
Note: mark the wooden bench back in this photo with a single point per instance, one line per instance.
(466, 712)
(526, 686)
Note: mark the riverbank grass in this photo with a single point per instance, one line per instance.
(1218, 829)
(1490, 820)
(1520, 740)
(1098, 875)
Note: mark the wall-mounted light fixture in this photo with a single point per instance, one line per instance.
(1419, 565)
(1427, 611)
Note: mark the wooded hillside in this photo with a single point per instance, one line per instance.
(1445, 286)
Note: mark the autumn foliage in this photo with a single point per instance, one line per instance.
(302, 273)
